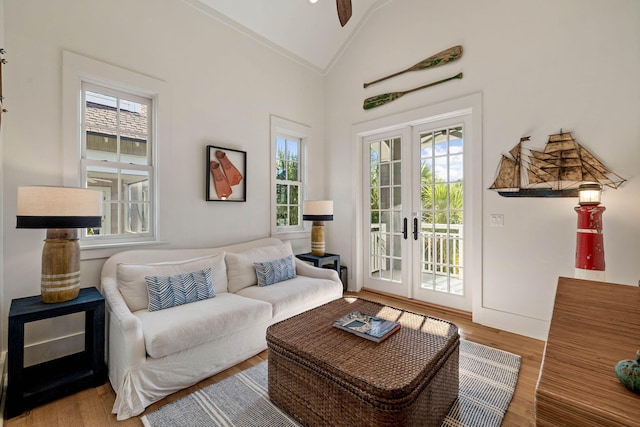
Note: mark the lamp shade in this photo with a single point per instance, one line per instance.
(58, 207)
(317, 210)
(589, 193)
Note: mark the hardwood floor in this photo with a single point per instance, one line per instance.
(92, 407)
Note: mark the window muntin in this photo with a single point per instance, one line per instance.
(116, 158)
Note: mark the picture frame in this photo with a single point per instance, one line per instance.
(226, 176)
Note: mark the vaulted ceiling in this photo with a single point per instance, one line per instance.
(308, 33)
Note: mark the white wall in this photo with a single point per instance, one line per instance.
(541, 66)
(224, 87)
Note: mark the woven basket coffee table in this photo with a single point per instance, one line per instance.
(323, 376)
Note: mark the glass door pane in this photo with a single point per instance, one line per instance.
(386, 187)
(385, 207)
(441, 210)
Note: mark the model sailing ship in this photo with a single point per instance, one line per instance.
(555, 172)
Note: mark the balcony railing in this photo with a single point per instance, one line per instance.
(441, 249)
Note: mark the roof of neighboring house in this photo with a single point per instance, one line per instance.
(102, 119)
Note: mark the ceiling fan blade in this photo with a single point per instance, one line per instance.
(344, 11)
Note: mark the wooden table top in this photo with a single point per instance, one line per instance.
(594, 325)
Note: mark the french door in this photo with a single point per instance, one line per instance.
(414, 187)
(386, 192)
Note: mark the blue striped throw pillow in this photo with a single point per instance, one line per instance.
(271, 272)
(171, 291)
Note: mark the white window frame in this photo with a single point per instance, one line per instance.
(78, 69)
(286, 128)
(289, 183)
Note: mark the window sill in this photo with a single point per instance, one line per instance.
(294, 234)
(105, 250)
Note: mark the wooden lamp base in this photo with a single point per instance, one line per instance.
(60, 265)
(317, 238)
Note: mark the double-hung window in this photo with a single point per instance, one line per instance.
(117, 159)
(288, 182)
(288, 147)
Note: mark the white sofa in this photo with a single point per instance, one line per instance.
(152, 354)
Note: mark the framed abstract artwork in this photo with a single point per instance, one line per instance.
(226, 175)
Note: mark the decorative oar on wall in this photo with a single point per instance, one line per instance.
(439, 58)
(385, 98)
(344, 11)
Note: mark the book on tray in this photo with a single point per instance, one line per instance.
(366, 326)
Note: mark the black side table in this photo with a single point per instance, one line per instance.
(34, 385)
(320, 261)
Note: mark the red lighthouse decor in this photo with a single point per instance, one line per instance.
(590, 241)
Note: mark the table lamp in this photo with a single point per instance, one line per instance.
(317, 211)
(61, 210)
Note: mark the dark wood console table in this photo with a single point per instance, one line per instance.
(594, 325)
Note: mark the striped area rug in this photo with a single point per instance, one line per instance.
(487, 380)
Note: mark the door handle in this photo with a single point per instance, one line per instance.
(415, 228)
(404, 229)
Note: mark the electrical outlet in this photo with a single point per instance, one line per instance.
(497, 220)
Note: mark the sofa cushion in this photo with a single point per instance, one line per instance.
(240, 269)
(186, 326)
(270, 272)
(170, 291)
(295, 295)
(132, 285)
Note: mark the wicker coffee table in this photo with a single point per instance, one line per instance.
(324, 376)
